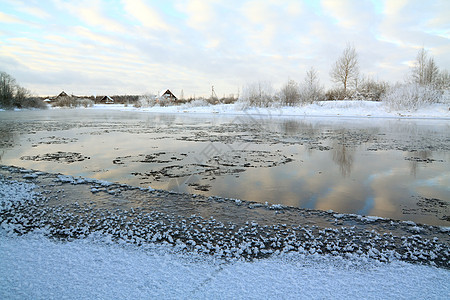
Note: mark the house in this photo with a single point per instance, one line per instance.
(107, 100)
(167, 94)
(60, 96)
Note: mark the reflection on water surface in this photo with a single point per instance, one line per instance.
(390, 168)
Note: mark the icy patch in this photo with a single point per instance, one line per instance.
(370, 218)
(445, 229)
(30, 176)
(416, 229)
(409, 223)
(339, 216)
(14, 192)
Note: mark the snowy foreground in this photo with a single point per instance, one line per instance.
(33, 267)
(36, 265)
(366, 109)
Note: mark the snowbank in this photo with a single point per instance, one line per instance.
(320, 109)
(34, 267)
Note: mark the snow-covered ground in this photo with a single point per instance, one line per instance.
(320, 109)
(33, 267)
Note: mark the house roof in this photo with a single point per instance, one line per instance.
(166, 92)
(163, 91)
(62, 94)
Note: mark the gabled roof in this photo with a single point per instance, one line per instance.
(62, 94)
(108, 99)
(163, 92)
(166, 92)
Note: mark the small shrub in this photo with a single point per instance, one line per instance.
(197, 103)
(146, 101)
(290, 93)
(259, 94)
(72, 102)
(65, 102)
(163, 102)
(371, 90)
(336, 94)
(34, 102)
(228, 100)
(411, 96)
(85, 103)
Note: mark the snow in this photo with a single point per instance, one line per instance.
(353, 108)
(33, 267)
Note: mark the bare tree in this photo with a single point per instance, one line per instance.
(346, 67)
(443, 80)
(432, 72)
(311, 90)
(425, 70)
(7, 89)
(290, 93)
(259, 94)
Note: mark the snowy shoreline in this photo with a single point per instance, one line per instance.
(340, 109)
(57, 239)
(71, 208)
(35, 267)
(345, 109)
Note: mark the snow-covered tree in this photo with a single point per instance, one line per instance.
(411, 96)
(260, 94)
(311, 90)
(425, 71)
(290, 93)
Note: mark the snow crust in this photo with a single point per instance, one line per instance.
(348, 108)
(33, 267)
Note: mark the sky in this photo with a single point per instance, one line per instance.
(100, 47)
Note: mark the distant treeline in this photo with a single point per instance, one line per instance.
(119, 99)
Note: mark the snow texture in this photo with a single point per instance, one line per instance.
(347, 108)
(33, 267)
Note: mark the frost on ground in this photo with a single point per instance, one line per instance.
(54, 242)
(33, 267)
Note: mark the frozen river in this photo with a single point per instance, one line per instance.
(391, 168)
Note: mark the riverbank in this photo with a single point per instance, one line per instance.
(71, 236)
(70, 208)
(347, 108)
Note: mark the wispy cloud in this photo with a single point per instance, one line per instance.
(133, 46)
(5, 18)
(146, 15)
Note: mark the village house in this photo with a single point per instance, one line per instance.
(107, 100)
(167, 95)
(56, 98)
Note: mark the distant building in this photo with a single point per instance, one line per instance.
(62, 94)
(56, 98)
(167, 94)
(107, 100)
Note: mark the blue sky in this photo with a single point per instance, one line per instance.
(95, 47)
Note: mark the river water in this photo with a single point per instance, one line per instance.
(390, 168)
